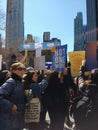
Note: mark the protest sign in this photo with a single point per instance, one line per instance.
(39, 63)
(76, 59)
(59, 57)
(32, 111)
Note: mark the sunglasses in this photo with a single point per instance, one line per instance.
(20, 69)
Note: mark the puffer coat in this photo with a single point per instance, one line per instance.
(12, 92)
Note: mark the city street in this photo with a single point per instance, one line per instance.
(66, 127)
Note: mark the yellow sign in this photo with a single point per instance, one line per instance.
(76, 59)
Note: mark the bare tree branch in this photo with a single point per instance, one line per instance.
(2, 19)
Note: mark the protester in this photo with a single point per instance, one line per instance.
(31, 82)
(83, 66)
(72, 86)
(86, 105)
(14, 58)
(4, 65)
(4, 75)
(56, 104)
(12, 100)
(92, 88)
(67, 84)
(43, 122)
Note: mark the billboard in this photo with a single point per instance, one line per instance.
(26, 46)
(48, 45)
(34, 46)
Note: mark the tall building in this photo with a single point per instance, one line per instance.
(79, 33)
(14, 23)
(46, 37)
(92, 20)
(30, 39)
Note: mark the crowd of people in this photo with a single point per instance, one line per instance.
(59, 94)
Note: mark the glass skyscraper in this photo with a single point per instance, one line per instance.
(14, 23)
(92, 20)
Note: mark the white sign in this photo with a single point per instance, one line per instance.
(38, 45)
(32, 111)
(38, 52)
(39, 63)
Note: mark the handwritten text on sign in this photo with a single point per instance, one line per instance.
(32, 111)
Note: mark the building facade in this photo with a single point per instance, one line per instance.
(14, 23)
(92, 20)
(79, 33)
(46, 37)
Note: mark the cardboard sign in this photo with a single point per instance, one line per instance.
(76, 59)
(38, 52)
(39, 63)
(32, 111)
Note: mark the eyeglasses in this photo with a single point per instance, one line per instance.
(20, 69)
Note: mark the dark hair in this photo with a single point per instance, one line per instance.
(68, 64)
(53, 80)
(28, 79)
(4, 66)
(40, 75)
(92, 90)
(3, 76)
(94, 75)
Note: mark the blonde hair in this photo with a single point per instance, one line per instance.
(14, 66)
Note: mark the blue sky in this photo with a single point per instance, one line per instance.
(55, 16)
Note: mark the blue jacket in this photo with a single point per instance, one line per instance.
(38, 88)
(12, 92)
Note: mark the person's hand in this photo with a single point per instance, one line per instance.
(71, 91)
(45, 72)
(14, 109)
(65, 71)
(86, 82)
